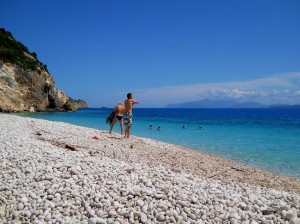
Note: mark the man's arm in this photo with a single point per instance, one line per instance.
(134, 101)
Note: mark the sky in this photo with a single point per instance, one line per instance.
(165, 51)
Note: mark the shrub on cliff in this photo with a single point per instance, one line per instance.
(14, 52)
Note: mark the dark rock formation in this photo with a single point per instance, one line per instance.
(25, 83)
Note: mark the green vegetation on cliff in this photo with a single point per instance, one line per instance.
(25, 83)
(14, 52)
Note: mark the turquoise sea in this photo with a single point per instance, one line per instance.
(264, 138)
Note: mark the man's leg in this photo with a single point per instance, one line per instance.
(126, 132)
(112, 125)
(121, 125)
(129, 125)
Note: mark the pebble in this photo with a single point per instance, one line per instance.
(294, 221)
(92, 221)
(75, 187)
(2, 211)
(143, 217)
(112, 213)
(230, 203)
(290, 214)
(140, 203)
(20, 206)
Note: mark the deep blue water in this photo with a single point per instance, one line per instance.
(264, 138)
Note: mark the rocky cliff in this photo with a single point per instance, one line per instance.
(25, 83)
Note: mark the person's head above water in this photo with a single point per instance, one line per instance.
(129, 95)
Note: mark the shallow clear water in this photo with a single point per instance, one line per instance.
(265, 138)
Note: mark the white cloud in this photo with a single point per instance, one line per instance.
(282, 88)
(267, 96)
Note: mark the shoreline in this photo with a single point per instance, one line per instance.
(171, 171)
(253, 143)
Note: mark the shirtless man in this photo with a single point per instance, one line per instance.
(119, 110)
(128, 113)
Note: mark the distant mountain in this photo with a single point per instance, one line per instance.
(204, 104)
(285, 106)
(216, 104)
(249, 105)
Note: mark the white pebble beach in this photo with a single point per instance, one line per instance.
(54, 172)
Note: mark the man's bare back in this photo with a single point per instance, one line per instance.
(119, 110)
